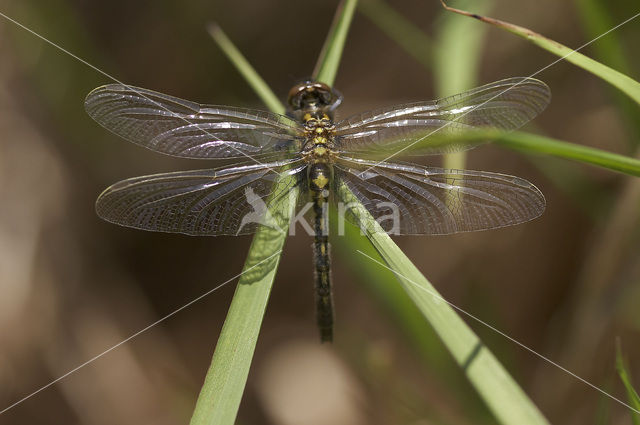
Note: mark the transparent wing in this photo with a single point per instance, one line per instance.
(506, 104)
(181, 128)
(202, 202)
(414, 200)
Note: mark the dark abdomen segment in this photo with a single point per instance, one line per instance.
(318, 181)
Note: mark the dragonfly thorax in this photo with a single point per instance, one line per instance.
(319, 139)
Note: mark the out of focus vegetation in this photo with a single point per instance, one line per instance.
(71, 286)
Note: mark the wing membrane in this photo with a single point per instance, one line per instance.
(438, 201)
(506, 104)
(201, 202)
(181, 128)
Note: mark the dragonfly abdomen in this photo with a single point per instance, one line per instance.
(319, 179)
(324, 296)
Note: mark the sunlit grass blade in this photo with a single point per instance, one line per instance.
(536, 144)
(329, 59)
(632, 395)
(226, 378)
(617, 79)
(400, 309)
(498, 389)
(533, 143)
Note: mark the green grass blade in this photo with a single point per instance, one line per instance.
(536, 144)
(533, 143)
(394, 299)
(224, 383)
(244, 67)
(501, 393)
(329, 59)
(617, 79)
(404, 32)
(226, 378)
(632, 395)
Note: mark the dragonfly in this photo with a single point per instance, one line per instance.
(319, 154)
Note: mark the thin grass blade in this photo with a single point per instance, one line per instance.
(498, 389)
(536, 144)
(617, 79)
(226, 378)
(329, 60)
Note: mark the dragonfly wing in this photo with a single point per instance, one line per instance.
(181, 128)
(229, 201)
(415, 200)
(506, 104)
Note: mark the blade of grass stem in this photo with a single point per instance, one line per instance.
(393, 297)
(617, 79)
(501, 393)
(226, 378)
(329, 59)
(533, 143)
(381, 284)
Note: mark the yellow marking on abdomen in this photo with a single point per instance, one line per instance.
(321, 181)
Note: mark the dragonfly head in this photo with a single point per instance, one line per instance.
(313, 96)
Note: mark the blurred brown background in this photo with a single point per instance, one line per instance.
(71, 286)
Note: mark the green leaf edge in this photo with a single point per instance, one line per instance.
(617, 79)
(536, 144)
